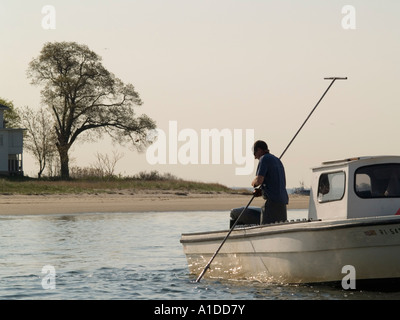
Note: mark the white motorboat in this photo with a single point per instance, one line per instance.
(353, 225)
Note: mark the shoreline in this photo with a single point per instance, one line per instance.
(123, 201)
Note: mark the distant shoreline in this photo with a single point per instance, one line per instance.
(126, 201)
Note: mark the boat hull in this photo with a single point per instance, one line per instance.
(303, 252)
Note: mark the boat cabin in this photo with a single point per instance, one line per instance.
(355, 188)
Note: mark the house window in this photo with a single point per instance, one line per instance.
(378, 181)
(14, 163)
(331, 186)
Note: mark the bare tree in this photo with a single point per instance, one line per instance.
(40, 138)
(105, 164)
(84, 97)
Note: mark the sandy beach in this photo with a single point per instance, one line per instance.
(126, 201)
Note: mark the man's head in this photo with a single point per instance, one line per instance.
(259, 149)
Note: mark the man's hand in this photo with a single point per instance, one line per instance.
(257, 192)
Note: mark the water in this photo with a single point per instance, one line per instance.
(126, 256)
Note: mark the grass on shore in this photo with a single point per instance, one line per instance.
(29, 186)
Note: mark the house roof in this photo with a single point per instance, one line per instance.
(3, 107)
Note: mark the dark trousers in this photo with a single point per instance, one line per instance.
(273, 212)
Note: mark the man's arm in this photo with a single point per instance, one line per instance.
(258, 180)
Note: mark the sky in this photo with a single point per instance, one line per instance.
(243, 69)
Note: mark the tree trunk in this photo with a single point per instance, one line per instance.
(64, 161)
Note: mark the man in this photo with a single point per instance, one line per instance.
(270, 176)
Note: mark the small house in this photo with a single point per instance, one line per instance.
(11, 147)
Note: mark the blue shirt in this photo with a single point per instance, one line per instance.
(274, 184)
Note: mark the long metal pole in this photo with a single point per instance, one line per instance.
(222, 243)
(301, 127)
(233, 226)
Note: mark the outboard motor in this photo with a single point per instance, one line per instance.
(250, 216)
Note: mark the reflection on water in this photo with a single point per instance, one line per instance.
(126, 256)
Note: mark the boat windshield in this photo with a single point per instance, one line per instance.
(378, 181)
(331, 186)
